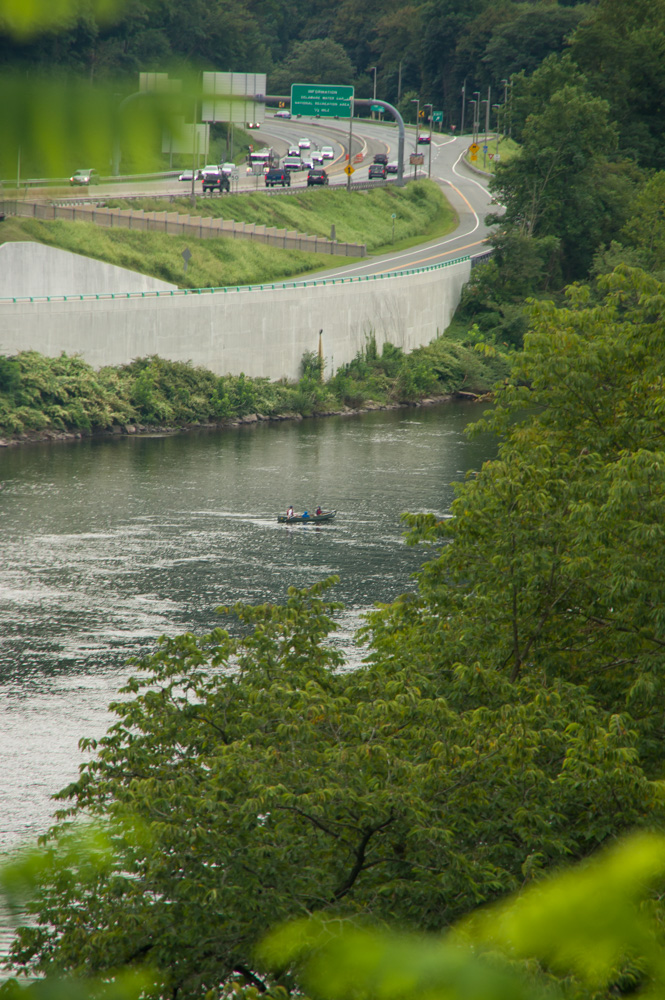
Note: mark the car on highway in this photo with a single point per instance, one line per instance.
(304, 144)
(317, 176)
(307, 162)
(228, 168)
(424, 139)
(282, 114)
(293, 151)
(377, 170)
(380, 158)
(214, 180)
(253, 125)
(392, 167)
(187, 175)
(292, 163)
(85, 176)
(327, 152)
(278, 175)
(317, 156)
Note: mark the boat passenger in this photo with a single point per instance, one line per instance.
(289, 512)
(305, 516)
(318, 510)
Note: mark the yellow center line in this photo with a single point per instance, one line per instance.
(422, 260)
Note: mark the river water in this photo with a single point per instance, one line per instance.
(107, 544)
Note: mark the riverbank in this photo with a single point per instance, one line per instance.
(53, 436)
(65, 399)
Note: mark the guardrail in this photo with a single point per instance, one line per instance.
(272, 286)
(176, 224)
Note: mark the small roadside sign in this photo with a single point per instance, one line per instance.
(377, 108)
(437, 116)
(484, 148)
(348, 169)
(473, 156)
(473, 148)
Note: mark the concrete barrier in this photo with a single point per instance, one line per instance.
(259, 330)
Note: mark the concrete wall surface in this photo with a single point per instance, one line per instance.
(261, 331)
(34, 269)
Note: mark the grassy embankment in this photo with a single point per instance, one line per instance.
(507, 150)
(359, 216)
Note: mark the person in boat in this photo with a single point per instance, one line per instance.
(305, 515)
(318, 510)
(289, 512)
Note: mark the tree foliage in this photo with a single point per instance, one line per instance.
(508, 716)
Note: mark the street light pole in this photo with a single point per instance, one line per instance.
(476, 115)
(416, 101)
(429, 160)
(372, 69)
(461, 131)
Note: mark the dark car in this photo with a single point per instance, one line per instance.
(381, 158)
(392, 167)
(317, 176)
(377, 170)
(215, 180)
(278, 176)
(424, 139)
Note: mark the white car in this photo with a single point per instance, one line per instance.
(293, 151)
(307, 162)
(327, 152)
(282, 114)
(317, 156)
(304, 144)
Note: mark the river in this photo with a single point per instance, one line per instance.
(107, 544)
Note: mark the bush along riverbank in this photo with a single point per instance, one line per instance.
(44, 398)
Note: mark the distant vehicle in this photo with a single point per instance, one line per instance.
(278, 175)
(215, 180)
(186, 175)
(282, 114)
(253, 125)
(317, 156)
(293, 151)
(262, 157)
(377, 170)
(424, 139)
(317, 176)
(304, 144)
(307, 162)
(392, 167)
(327, 152)
(228, 168)
(292, 163)
(85, 176)
(380, 158)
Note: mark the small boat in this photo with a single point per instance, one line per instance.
(325, 515)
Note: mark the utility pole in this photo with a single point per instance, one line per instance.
(429, 163)
(461, 131)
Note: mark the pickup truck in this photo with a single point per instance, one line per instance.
(215, 180)
(278, 176)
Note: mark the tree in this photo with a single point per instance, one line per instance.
(317, 61)
(508, 715)
(563, 182)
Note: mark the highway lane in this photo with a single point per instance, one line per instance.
(465, 189)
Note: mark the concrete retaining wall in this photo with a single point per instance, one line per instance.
(261, 331)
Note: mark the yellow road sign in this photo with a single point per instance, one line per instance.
(348, 169)
(474, 147)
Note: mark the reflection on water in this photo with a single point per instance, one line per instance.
(106, 545)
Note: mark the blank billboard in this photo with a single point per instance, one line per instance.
(226, 97)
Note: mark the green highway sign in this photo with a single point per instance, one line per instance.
(437, 116)
(321, 99)
(377, 107)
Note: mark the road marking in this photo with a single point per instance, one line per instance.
(435, 256)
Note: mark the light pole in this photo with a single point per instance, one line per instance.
(372, 69)
(429, 159)
(474, 102)
(461, 131)
(476, 114)
(496, 107)
(416, 101)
